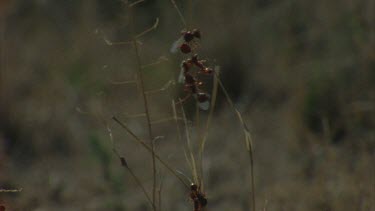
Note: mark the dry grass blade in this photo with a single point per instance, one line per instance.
(164, 88)
(159, 191)
(136, 138)
(135, 3)
(179, 12)
(145, 101)
(127, 115)
(125, 165)
(190, 151)
(248, 139)
(208, 124)
(179, 134)
(122, 82)
(166, 120)
(149, 29)
(108, 42)
(159, 61)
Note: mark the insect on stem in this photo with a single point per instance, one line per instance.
(147, 147)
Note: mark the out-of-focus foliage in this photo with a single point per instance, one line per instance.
(302, 73)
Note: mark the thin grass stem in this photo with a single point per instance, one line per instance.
(147, 147)
(125, 165)
(179, 12)
(207, 128)
(190, 150)
(248, 139)
(146, 106)
(149, 29)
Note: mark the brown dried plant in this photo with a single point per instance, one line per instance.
(191, 69)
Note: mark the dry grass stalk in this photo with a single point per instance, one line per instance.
(248, 139)
(146, 146)
(124, 164)
(247, 134)
(142, 89)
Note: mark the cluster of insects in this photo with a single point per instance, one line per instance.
(191, 70)
(198, 198)
(187, 44)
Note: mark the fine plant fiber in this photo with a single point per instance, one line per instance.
(124, 164)
(142, 89)
(148, 148)
(179, 134)
(182, 18)
(207, 127)
(247, 135)
(190, 150)
(196, 166)
(160, 190)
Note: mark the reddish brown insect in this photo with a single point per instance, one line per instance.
(186, 42)
(200, 65)
(185, 48)
(198, 198)
(190, 35)
(191, 85)
(187, 64)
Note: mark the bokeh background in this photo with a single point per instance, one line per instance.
(301, 72)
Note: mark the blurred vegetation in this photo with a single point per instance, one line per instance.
(302, 73)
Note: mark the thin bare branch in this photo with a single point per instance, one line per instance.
(179, 12)
(149, 29)
(166, 120)
(124, 164)
(165, 87)
(248, 139)
(140, 141)
(135, 3)
(208, 123)
(122, 82)
(110, 43)
(179, 134)
(190, 149)
(159, 61)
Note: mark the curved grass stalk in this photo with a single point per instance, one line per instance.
(248, 138)
(190, 150)
(142, 89)
(207, 128)
(179, 135)
(179, 13)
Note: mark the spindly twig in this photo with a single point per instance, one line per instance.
(140, 141)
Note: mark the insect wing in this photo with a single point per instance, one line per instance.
(203, 104)
(181, 77)
(176, 45)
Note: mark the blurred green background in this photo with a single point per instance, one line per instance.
(301, 72)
